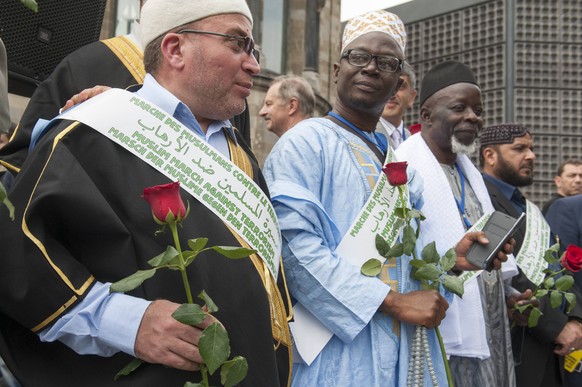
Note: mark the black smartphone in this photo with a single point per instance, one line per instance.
(499, 229)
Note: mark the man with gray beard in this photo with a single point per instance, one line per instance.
(476, 328)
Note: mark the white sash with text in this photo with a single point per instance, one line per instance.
(170, 147)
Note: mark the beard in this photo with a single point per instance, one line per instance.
(459, 148)
(505, 172)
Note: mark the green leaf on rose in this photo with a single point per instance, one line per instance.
(453, 284)
(522, 308)
(129, 368)
(133, 281)
(416, 214)
(233, 252)
(214, 346)
(550, 257)
(408, 239)
(190, 314)
(189, 257)
(7, 203)
(164, 258)
(556, 298)
(197, 244)
(449, 260)
(396, 251)
(571, 299)
(429, 272)
(549, 283)
(417, 263)
(430, 253)
(208, 301)
(371, 267)
(400, 212)
(382, 246)
(30, 4)
(541, 293)
(398, 224)
(233, 371)
(534, 316)
(564, 283)
(190, 384)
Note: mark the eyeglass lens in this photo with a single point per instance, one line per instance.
(384, 62)
(249, 47)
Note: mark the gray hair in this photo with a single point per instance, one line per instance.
(294, 86)
(408, 70)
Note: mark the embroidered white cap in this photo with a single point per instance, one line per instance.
(160, 16)
(375, 21)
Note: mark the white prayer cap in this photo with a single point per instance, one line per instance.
(160, 16)
(375, 21)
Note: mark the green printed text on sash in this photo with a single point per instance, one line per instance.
(174, 150)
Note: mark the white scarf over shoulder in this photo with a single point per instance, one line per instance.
(463, 329)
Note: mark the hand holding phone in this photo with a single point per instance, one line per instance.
(499, 229)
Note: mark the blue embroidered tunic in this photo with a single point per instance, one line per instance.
(320, 177)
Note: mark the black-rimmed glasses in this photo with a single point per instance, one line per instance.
(245, 43)
(383, 62)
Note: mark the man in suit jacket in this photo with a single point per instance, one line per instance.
(391, 123)
(568, 182)
(507, 160)
(565, 219)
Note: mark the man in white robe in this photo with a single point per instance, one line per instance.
(476, 328)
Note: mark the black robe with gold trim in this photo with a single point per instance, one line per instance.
(80, 218)
(114, 62)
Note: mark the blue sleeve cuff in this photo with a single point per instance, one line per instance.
(101, 324)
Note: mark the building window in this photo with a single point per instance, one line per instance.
(127, 14)
(272, 35)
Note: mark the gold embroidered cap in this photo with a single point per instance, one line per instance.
(375, 21)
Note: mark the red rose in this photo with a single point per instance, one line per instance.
(572, 258)
(415, 128)
(396, 173)
(163, 199)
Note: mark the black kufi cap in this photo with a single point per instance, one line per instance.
(445, 74)
(501, 134)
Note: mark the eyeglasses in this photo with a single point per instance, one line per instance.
(245, 43)
(383, 62)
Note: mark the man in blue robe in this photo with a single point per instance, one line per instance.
(320, 175)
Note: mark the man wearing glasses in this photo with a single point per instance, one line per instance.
(81, 223)
(367, 322)
(120, 65)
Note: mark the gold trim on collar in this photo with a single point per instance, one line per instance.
(279, 316)
(129, 54)
(78, 291)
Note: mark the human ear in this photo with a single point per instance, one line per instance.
(172, 48)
